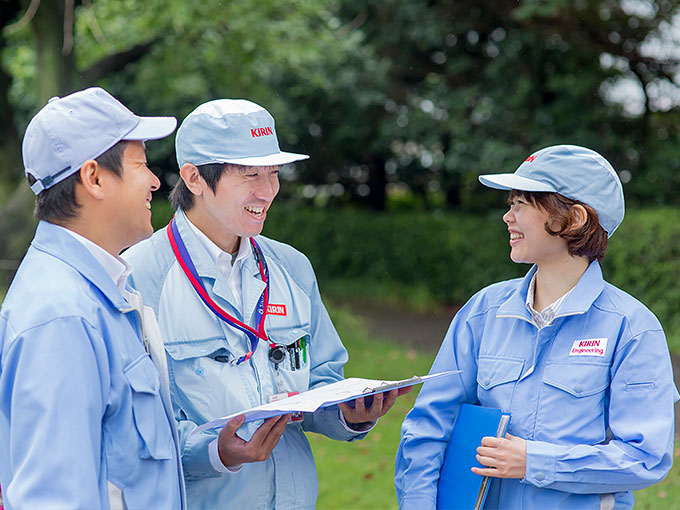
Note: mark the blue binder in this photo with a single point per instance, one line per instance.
(459, 488)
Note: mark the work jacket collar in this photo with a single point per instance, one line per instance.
(586, 291)
(203, 262)
(52, 239)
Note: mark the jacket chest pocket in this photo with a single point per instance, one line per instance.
(200, 371)
(293, 371)
(151, 422)
(496, 380)
(573, 400)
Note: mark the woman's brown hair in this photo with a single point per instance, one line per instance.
(588, 240)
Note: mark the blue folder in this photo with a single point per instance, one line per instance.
(459, 488)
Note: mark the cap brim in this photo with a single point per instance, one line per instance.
(152, 128)
(281, 158)
(513, 181)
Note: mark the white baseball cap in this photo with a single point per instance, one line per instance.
(233, 131)
(574, 172)
(69, 130)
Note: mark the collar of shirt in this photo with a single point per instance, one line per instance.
(546, 317)
(115, 267)
(224, 261)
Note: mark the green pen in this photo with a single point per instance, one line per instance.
(303, 342)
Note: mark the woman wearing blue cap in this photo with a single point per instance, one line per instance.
(582, 367)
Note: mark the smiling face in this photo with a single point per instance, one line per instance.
(129, 197)
(529, 241)
(238, 206)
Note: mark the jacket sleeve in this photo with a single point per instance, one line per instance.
(639, 452)
(195, 452)
(427, 427)
(51, 394)
(327, 357)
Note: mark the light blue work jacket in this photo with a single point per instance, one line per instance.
(598, 425)
(204, 386)
(79, 396)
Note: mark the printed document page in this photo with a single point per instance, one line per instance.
(324, 396)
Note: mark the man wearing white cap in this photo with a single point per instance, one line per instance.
(241, 317)
(582, 368)
(85, 419)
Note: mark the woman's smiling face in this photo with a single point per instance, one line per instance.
(529, 241)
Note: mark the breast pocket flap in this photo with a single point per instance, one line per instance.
(578, 379)
(494, 371)
(197, 349)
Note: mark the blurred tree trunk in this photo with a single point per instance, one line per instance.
(56, 75)
(55, 59)
(52, 32)
(10, 154)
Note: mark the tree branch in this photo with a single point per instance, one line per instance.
(25, 19)
(116, 62)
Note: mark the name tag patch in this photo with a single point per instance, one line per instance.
(591, 347)
(273, 309)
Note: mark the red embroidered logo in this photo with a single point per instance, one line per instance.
(276, 309)
(530, 159)
(263, 131)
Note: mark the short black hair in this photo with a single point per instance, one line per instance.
(182, 198)
(59, 202)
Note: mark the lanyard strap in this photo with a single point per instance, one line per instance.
(187, 265)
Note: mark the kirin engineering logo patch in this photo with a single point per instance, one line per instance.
(590, 347)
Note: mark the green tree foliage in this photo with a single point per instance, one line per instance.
(158, 57)
(475, 87)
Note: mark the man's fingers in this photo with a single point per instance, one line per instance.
(404, 390)
(389, 401)
(360, 406)
(232, 425)
(264, 429)
(346, 409)
(272, 439)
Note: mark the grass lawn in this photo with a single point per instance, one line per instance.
(360, 475)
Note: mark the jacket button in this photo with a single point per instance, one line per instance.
(578, 388)
(199, 371)
(540, 477)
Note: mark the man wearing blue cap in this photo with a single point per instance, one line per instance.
(85, 414)
(582, 367)
(242, 318)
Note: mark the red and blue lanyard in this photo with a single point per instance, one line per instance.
(187, 265)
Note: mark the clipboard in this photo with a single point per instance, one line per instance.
(459, 488)
(323, 396)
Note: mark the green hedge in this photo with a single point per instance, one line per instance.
(444, 258)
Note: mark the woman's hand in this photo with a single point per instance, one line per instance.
(505, 457)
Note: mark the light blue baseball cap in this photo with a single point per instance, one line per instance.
(574, 172)
(233, 131)
(72, 129)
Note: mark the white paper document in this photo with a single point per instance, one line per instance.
(324, 396)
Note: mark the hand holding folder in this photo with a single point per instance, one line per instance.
(459, 487)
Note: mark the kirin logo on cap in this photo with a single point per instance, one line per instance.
(263, 131)
(531, 158)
